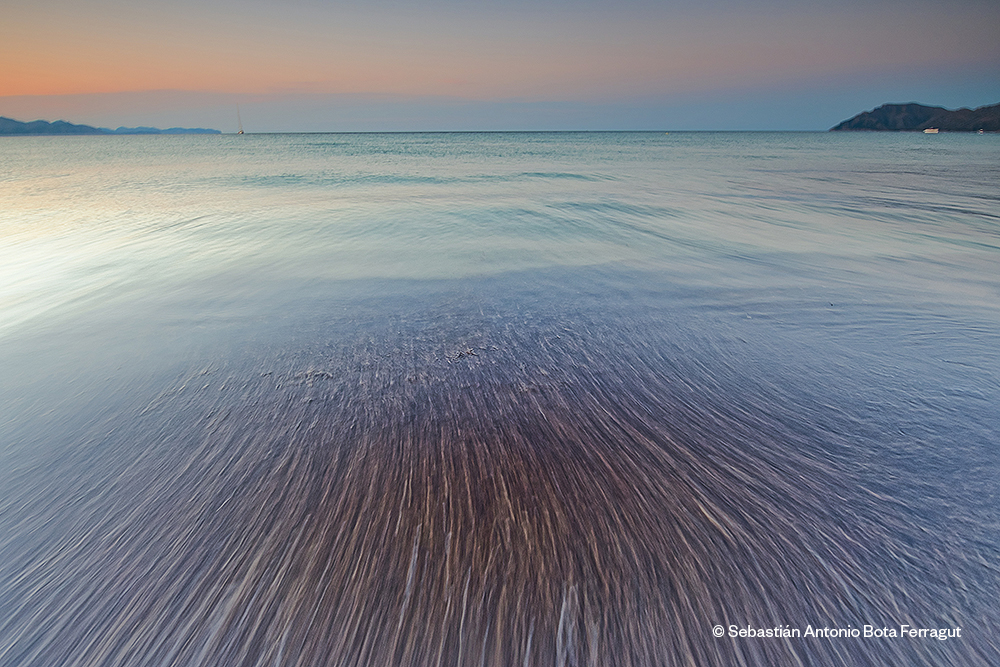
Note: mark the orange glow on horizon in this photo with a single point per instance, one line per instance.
(466, 58)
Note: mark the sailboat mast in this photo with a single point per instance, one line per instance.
(239, 120)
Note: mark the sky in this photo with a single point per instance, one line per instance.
(390, 65)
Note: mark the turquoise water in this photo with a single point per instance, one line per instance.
(620, 386)
(95, 217)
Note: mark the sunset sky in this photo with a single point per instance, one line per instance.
(308, 65)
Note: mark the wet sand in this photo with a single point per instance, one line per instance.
(495, 485)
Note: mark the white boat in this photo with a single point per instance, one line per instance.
(931, 130)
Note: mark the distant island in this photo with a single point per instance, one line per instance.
(915, 117)
(11, 127)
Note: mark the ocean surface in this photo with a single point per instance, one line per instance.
(499, 399)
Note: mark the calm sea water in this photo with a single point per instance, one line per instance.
(501, 399)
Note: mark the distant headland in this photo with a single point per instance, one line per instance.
(11, 127)
(915, 117)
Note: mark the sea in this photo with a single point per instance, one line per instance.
(504, 399)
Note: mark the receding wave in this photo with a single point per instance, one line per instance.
(499, 400)
(452, 485)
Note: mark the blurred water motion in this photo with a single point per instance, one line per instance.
(498, 399)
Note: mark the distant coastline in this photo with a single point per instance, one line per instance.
(915, 117)
(908, 117)
(10, 127)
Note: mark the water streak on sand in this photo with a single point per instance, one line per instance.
(590, 463)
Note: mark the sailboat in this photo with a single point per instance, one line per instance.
(239, 120)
